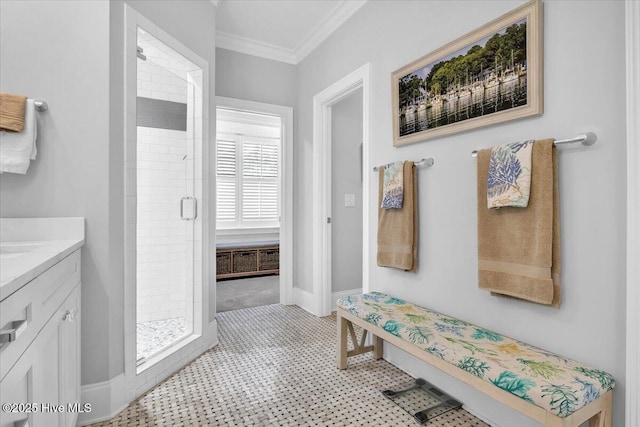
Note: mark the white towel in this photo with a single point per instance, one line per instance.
(17, 149)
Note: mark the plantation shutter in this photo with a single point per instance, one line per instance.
(247, 181)
(226, 183)
(259, 182)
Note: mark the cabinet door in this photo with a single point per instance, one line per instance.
(47, 375)
(18, 387)
(70, 357)
(47, 372)
(34, 382)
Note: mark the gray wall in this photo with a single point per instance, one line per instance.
(76, 65)
(584, 90)
(346, 222)
(66, 63)
(253, 78)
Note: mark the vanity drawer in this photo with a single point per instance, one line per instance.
(24, 313)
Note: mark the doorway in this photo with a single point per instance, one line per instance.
(168, 96)
(254, 204)
(166, 159)
(323, 103)
(346, 197)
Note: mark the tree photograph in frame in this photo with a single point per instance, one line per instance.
(490, 75)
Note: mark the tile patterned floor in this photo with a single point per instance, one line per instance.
(154, 335)
(275, 365)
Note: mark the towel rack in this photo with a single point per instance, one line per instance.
(40, 105)
(420, 163)
(586, 139)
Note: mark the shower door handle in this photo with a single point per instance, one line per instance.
(191, 208)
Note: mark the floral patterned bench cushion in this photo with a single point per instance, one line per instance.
(548, 380)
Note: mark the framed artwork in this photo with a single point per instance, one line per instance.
(490, 75)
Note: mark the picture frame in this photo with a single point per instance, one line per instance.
(490, 75)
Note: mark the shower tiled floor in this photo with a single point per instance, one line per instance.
(276, 366)
(154, 335)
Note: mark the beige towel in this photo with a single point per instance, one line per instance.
(398, 228)
(12, 112)
(519, 249)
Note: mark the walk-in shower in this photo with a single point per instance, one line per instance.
(166, 197)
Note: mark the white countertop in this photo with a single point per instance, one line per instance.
(30, 246)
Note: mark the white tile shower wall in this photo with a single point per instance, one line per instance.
(155, 81)
(161, 234)
(162, 178)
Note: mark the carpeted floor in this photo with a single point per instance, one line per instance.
(234, 294)
(275, 365)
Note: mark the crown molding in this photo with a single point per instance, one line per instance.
(334, 19)
(254, 47)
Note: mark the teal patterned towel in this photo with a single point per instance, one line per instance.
(509, 175)
(393, 186)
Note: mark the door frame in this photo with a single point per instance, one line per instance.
(286, 184)
(204, 333)
(322, 104)
(632, 18)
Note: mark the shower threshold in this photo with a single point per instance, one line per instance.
(155, 336)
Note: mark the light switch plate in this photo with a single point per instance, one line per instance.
(349, 200)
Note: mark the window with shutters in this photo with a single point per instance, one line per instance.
(247, 175)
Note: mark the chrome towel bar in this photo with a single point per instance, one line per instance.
(420, 163)
(586, 139)
(40, 105)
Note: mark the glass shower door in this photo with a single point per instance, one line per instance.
(166, 203)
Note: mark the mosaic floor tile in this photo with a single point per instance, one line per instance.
(276, 366)
(154, 335)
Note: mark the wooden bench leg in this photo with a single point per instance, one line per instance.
(377, 347)
(608, 415)
(342, 341)
(597, 420)
(605, 416)
(608, 410)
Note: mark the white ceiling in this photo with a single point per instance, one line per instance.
(283, 30)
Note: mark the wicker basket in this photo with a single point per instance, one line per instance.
(245, 261)
(269, 259)
(223, 263)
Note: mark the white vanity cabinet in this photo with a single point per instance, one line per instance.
(40, 366)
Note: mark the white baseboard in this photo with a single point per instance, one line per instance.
(336, 295)
(305, 300)
(482, 417)
(107, 399)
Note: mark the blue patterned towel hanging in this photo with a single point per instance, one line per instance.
(393, 186)
(509, 179)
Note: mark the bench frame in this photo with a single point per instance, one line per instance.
(598, 412)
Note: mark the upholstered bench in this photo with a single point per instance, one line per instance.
(552, 389)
